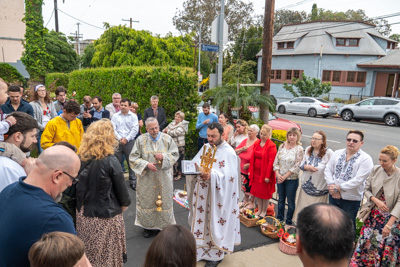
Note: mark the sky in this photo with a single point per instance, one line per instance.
(156, 15)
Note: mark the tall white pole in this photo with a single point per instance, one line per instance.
(221, 43)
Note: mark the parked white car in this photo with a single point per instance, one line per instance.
(308, 105)
(385, 109)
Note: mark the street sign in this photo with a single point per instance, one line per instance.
(215, 31)
(209, 48)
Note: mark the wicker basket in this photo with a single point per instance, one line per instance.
(248, 222)
(284, 247)
(272, 230)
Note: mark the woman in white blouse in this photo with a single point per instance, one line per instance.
(287, 166)
(313, 185)
(43, 110)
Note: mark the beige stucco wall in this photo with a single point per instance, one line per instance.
(11, 27)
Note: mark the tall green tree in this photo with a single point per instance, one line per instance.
(243, 73)
(62, 53)
(307, 86)
(87, 56)
(35, 56)
(395, 37)
(314, 12)
(202, 12)
(247, 43)
(122, 46)
(285, 16)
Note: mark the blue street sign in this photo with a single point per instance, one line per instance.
(209, 48)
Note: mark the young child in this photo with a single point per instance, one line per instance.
(7, 149)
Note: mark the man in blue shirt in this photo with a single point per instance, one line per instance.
(14, 103)
(202, 123)
(28, 207)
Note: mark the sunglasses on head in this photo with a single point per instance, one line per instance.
(352, 140)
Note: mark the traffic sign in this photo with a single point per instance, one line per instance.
(210, 48)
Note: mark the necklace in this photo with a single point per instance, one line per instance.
(392, 171)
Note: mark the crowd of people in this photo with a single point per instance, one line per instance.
(82, 153)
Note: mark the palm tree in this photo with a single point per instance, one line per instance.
(227, 97)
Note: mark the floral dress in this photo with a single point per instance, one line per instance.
(374, 250)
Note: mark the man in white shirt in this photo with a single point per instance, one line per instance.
(114, 107)
(126, 126)
(22, 135)
(346, 173)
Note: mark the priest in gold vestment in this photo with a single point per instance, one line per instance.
(152, 159)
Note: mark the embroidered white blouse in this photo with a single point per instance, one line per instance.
(289, 160)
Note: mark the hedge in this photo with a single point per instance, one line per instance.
(56, 79)
(175, 86)
(11, 75)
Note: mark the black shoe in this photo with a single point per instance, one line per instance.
(146, 233)
(133, 187)
(212, 263)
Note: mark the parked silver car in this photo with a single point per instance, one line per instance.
(308, 105)
(385, 109)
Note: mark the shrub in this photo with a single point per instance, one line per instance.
(55, 79)
(279, 136)
(175, 86)
(11, 75)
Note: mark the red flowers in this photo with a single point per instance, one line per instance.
(281, 232)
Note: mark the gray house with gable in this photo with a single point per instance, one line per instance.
(353, 56)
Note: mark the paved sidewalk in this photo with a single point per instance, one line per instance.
(269, 256)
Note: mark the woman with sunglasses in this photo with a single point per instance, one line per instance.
(379, 242)
(312, 182)
(102, 197)
(43, 110)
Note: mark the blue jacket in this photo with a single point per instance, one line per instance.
(23, 107)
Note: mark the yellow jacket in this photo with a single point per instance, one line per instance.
(57, 130)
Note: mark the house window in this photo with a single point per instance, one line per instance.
(351, 76)
(361, 77)
(272, 74)
(278, 74)
(290, 45)
(353, 42)
(336, 76)
(388, 44)
(288, 74)
(340, 41)
(296, 74)
(281, 45)
(326, 76)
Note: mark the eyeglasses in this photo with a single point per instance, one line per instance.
(41, 91)
(116, 98)
(352, 140)
(74, 179)
(315, 139)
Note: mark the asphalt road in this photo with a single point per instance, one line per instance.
(376, 134)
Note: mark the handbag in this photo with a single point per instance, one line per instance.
(365, 210)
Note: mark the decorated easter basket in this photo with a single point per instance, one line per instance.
(285, 244)
(270, 226)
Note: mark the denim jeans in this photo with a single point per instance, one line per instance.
(287, 189)
(201, 142)
(349, 206)
(39, 138)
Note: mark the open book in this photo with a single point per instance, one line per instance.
(188, 167)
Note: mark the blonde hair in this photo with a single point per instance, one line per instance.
(180, 114)
(391, 151)
(244, 124)
(266, 129)
(296, 131)
(99, 141)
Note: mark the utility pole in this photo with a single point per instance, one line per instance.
(199, 72)
(267, 55)
(56, 14)
(130, 21)
(221, 43)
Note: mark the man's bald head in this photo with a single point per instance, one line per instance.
(59, 158)
(325, 232)
(3, 85)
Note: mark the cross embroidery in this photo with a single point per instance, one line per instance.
(203, 185)
(219, 205)
(221, 164)
(201, 197)
(232, 179)
(209, 244)
(222, 221)
(218, 188)
(234, 211)
(219, 253)
(199, 221)
(198, 233)
(201, 209)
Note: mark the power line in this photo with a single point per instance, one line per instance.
(295, 4)
(80, 20)
(49, 18)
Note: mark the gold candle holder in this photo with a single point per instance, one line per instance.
(208, 159)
